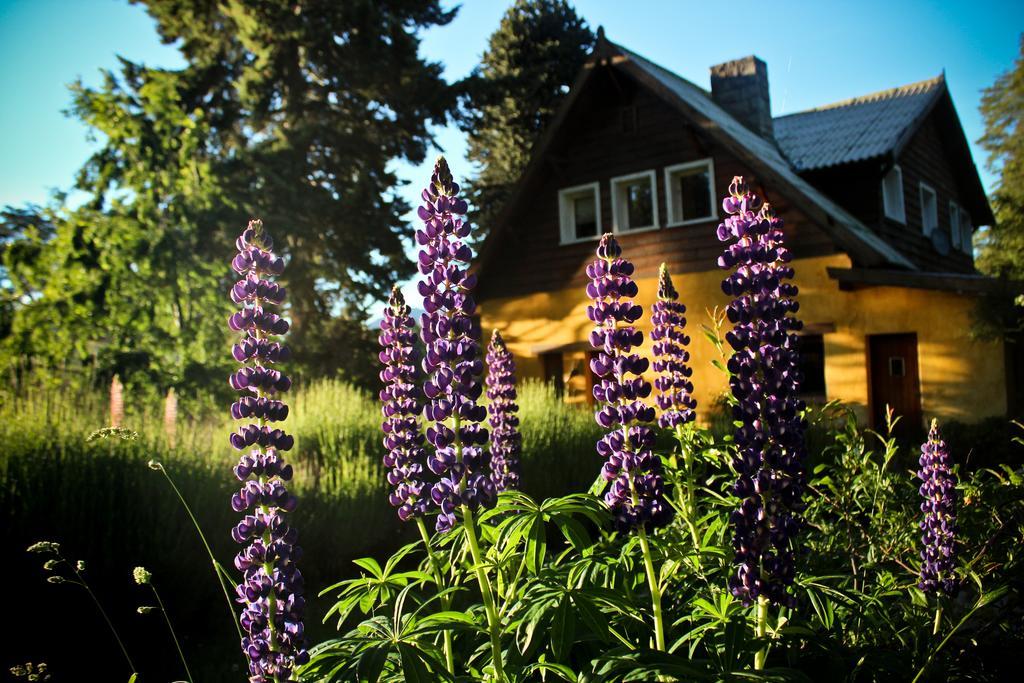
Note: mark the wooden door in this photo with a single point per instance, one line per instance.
(895, 381)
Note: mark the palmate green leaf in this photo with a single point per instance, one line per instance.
(371, 565)
(563, 629)
(591, 616)
(414, 666)
(371, 663)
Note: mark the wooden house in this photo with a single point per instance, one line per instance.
(879, 195)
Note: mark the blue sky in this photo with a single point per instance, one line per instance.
(817, 52)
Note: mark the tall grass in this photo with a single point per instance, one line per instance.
(106, 506)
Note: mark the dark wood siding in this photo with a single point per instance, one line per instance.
(926, 159)
(593, 147)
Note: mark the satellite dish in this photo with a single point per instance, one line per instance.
(940, 241)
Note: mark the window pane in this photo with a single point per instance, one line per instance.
(584, 213)
(892, 194)
(929, 213)
(695, 195)
(639, 205)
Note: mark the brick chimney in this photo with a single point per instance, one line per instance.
(741, 88)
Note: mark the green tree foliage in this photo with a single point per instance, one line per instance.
(311, 103)
(1001, 246)
(291, 112)
(124, 282)
(1001, 252)
(531, 61)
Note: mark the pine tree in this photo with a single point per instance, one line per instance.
(531, 61)
(1002, 106)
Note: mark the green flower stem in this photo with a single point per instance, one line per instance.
(110, 624)
(652, 581)
(218, 570)
(690, 511)
(652, 576)
(174, 636)
(449, 656)
(493, 622)
(761, 631)
(938, 620)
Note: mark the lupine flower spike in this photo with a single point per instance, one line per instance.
(938, 489)
(506, 442)
(403, 440)
(675, 390)
(636, 496)
(765, 381)
(272, 589)
(452, 362)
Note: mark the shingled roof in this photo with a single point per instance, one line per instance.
(761, 155)
(856, 129)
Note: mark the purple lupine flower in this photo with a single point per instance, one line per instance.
(506, 441)
(765, 380)
(675, 390)
(636, 496)
(272, 588)
(452, 360)
(938, 489)
(400, 405)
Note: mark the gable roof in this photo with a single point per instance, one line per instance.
(762, 157)
(856, 129)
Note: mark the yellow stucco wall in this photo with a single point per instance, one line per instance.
(960, 378)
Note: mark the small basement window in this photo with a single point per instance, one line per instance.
(634, 203)
(812, 366)
(929, 210)
(690, 189)
(892, 195)
(579, 212)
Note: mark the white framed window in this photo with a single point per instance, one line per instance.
(892, 195)
(634, 202)
(954, 225)
(579, 213)
(929, 209)
(690, 192)
(966, 232)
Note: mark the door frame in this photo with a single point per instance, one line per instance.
(870, 382)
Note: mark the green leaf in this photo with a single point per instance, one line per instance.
(371, 664)
(592, 617)
(414, 669)
(370, 565)
(574, 532)
(536, 546)
(563, 629)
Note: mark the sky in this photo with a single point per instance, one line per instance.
(817, 52)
